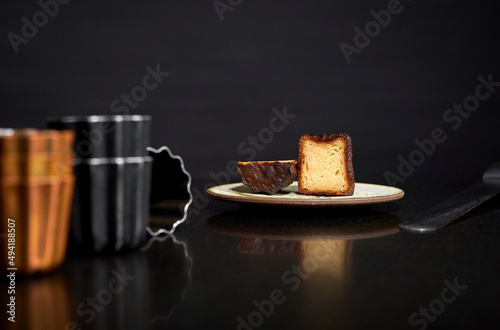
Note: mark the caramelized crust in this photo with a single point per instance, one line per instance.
(268, 176)
(325, 165)
(325, 137)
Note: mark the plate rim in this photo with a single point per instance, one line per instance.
(332, 201)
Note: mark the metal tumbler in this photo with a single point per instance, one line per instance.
(36, 190)
(113, 171)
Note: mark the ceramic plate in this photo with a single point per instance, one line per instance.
(364, 194)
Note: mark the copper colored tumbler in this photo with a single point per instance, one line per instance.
(36, 190)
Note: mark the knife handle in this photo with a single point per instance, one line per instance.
(452, 208)
(492, 174)
(443, 213)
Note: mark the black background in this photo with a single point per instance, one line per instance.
(227, 76)
(225, 79)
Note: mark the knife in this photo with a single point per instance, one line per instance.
(457, 205)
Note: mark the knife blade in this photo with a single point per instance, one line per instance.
(457, 205)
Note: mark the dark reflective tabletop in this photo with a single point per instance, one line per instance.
(236, 267)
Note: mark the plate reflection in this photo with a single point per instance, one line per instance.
(315, 250)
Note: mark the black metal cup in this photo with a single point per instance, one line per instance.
(107, 136)
(111, 204)
(110, 210)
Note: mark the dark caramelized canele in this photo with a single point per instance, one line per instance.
(268, 176)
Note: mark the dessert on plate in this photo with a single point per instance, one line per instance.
(268, 176)
(325, 165)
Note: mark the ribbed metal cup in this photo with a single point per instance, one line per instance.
(113, 171)
(107, 136)
(111, 204)
(35, 153)
(36, 190)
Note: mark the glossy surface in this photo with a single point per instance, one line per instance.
(357, 272)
